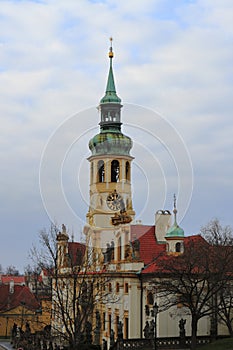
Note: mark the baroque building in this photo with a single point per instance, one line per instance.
(126, 254)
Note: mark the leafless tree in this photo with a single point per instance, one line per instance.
(222, 236)
(193, 278)
(12, 270)
(77, 290)
(216, 234)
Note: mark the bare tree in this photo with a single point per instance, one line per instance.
(225, 307)
(193, 279)
(77, 289)
(216, 234)
(12, 271)
(33, 281)
(222, 236)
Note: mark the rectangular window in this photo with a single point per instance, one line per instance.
(117, 287)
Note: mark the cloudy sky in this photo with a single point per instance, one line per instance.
(173, 72)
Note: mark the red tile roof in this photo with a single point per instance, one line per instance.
(195, 239)
(150, 249)
(5, 279)
(156, 266)
(20, 295)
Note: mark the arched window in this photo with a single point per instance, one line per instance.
(178, 247)
(127, 171)
(101, 172)
(115, 171)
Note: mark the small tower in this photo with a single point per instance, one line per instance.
(62, 249)
(110, 162)
(175, 235)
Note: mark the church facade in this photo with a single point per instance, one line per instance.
(125, 252)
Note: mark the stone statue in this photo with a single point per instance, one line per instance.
(27, 332)
(109, 252)
(135, 245)
(120, 331)
(146, 330)
(152, 329)
(182, 328)
(112, 250)
(105, 344)
(112, 336)
(88, 332)
(97, 328)
(182, 331)
(98, 321)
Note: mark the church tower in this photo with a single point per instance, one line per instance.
(175, 235)
(110, 164)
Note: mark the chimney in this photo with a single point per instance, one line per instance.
(12, 285)
(162, 224)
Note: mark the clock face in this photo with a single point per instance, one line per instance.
(114, 201)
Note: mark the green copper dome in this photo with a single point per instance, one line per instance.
(175, 231)
(110, 142)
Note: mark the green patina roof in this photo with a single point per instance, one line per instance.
(110, 93)
(110, 142)
(175, 231)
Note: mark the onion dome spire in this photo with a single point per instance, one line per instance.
(175, 230)
(110, 140)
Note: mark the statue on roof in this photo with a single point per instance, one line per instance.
(63, 229)
(135, 245)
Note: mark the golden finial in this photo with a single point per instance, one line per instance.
(110, 55)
